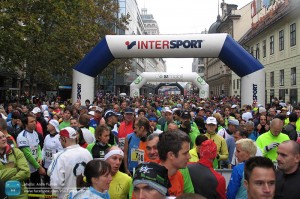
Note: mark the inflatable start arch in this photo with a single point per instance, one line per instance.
(169, 77)
(221, 45)
(169, 84)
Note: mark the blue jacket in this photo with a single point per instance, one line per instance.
(235, 188)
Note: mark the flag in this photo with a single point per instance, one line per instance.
(266, 3)
(253, 8)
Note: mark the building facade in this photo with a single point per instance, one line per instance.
(139, 24)
(221, 79)
(274, 40)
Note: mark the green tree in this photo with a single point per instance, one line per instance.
(46, 38)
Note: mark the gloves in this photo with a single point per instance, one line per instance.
(271, 146)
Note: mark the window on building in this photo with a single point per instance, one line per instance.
(293, 34)
(272, 79)
(233, 84)
(199, 70)
(264, 48)
(272, 95)
(281, 77)
(294, 96)
(272, 45)
(281, 40)
(282, 94)
(238, 84)
(257, 51)
(293, 76)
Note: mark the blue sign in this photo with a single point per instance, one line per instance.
(12, 188)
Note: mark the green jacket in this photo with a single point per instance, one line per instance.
(188, 185)
(16, 168)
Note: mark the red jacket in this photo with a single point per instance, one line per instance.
(125, 129)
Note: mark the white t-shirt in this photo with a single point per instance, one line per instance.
(31, 140)
(65, 167)
(52, 145)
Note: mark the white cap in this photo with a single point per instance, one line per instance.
(98, 109)
(91, 113)
(233, 121)
(68, 132)
(36, 110)
(55, 124)
(167, 109)
(211, 120)
(234, 106)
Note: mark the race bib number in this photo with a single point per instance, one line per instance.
(34, 151)
(101, 154)
(137, 155)
(121, 143)
(48, 155)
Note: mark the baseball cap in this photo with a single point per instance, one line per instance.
(234, 106)
(68, 132)
(92, 107)
(167, 109)
(233, 122)
(211, 120)
(55, 123)
(199, 109)
(91, 113)
(98, 109)
(208, 150)
(109, 113)
(185, 115)
(36, 110)
(128, 110)
(154, 175)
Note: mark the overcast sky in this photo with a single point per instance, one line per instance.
(184, 17)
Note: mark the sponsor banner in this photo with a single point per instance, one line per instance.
(253, 88)
(169, 77)
(83, 87)
(180, 46)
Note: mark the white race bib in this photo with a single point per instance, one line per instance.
(121, 143)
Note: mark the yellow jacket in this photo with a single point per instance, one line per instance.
(221, 145)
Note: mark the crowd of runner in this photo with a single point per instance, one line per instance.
(155, 147)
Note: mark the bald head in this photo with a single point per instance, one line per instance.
(276, 126)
